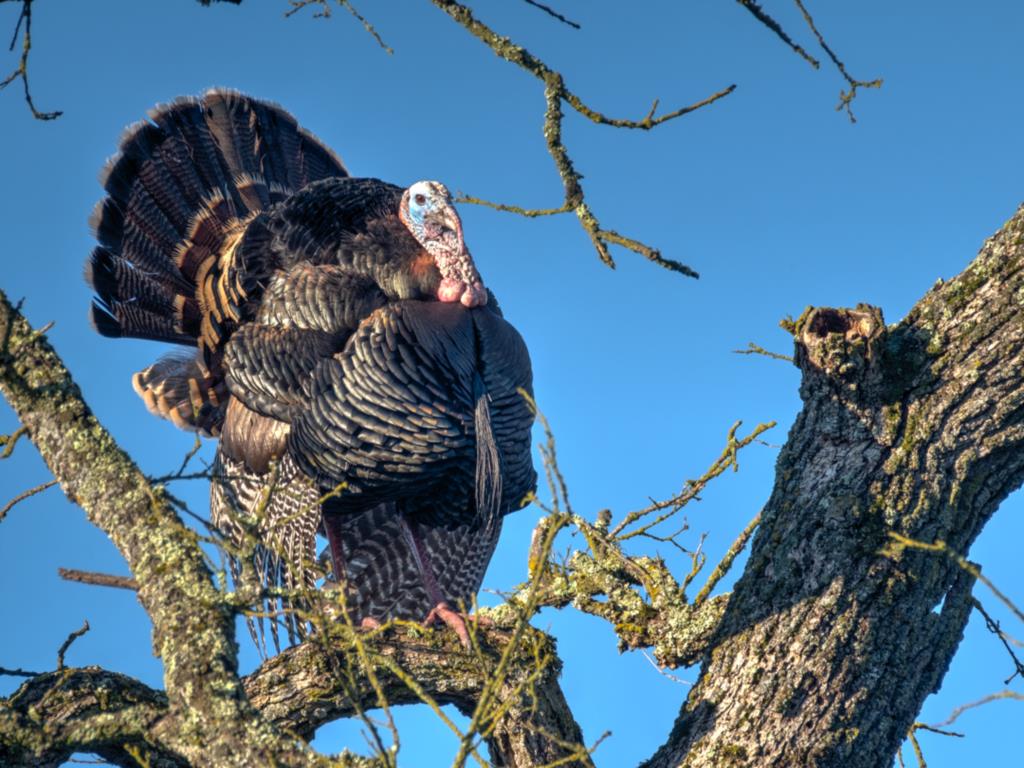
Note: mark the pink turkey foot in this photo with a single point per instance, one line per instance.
(455, 620)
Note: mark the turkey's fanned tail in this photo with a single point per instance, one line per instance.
(180, 191)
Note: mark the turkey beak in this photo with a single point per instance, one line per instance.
(446, 227)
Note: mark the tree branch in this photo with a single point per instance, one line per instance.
(98, 579)
(21, 71)
(845, 97)
(915, 430)
(553, 13)
(90, 709)
(58, 713)
(762, 16)
(555, 92)
(193, 628)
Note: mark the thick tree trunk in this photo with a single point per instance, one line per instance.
(833, 638)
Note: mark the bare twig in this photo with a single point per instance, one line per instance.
(552, 12)
(25, 495)
(556, 92)
(196, 447)
(18, 672)
(21, 71)
(9, 441)
(325, 13)
(298, 5)
(933, 729)
(993, 627)
(845, 97)
(916, 745)
(758, 13)
(726, 563)
(98, 579)
(900, 542)
(366, 25)
(67, 644)
(756, 349)
(999, 696)
(664, 672)
(692, 488)
(917, 749)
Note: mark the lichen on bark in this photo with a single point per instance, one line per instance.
(832, 639)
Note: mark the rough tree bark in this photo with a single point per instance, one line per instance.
(120, 719)
(833, 638)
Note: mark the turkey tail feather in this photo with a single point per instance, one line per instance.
(488, 459)
(178, 192)
(176, 389)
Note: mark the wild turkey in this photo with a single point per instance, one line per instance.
(345, 342)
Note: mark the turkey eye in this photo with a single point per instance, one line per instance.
(420, 199)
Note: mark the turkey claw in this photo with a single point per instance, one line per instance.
(444, 612)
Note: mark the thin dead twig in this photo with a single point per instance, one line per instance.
(900, 542)
(993, 626)
(845, 97)
(21, 71)
(917, 749)
(325, 13)
(933, 729)
(9, 441)
(692, 488)
(757, 349)
(998, 696)
(556, 92)
(98, 579)
(25, 495)
(758, 13)
(664, 672)
(726, 563)
(553, 13)
(18, 672)
(67, 644)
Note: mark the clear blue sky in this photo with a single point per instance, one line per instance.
(774, 197)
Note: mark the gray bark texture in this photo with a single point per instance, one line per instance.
(833, 636)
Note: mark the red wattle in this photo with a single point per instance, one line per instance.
(450, 289)
(475, 295)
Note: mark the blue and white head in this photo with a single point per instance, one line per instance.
(428, 212)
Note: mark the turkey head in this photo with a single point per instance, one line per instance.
(429, 213)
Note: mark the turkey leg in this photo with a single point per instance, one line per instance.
(442, 610)
(332, 528)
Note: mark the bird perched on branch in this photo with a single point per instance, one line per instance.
(358, 374)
